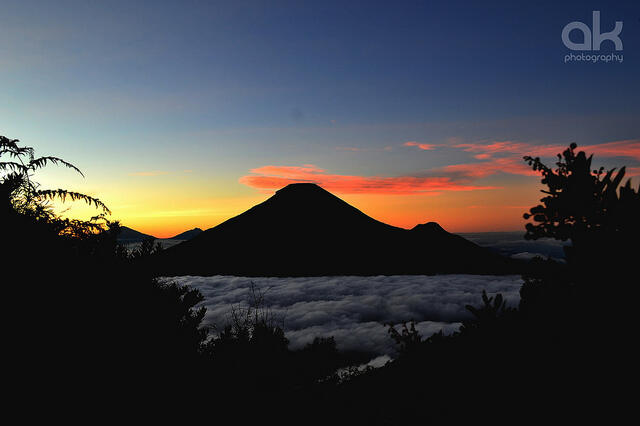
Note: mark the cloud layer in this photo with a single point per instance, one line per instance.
(513, 244)
(275, 177)
(490, 158)
(506, 156)
(355, 309)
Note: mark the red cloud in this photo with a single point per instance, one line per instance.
(275, 177)
(509, 147)
(424, 146)
(288, 171)
(514, 166)
(633, 171)
(482, 156)
(496, 157)
(512, 163)
(626, 148)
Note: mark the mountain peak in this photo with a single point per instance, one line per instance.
(305, 195)
(304, 230)
(128, 235)
(301, 188)
(187, 235)
(428, 227)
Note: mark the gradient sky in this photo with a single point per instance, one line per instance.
(185, 113)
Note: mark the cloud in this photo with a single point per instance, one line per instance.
(488, 150)
(423, 146)
(626, 148)
(275, 177)
(511, 165)
(525, 255)
(493, 158)
(633, 171)
(513, 243)
(506, 156)
(355, 309)
(482, 156)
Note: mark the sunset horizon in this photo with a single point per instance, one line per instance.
(490, 193)
(406, 118)
(298, 212)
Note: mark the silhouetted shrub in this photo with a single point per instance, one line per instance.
(253, 326)
(556, 355)
(588, 207)
(407, 339)
(493, 310)
(89, 317)
(21, 196)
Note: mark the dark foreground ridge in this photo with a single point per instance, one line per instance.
(305, 230)
(89, 331)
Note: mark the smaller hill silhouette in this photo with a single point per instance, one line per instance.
(305, 230)
(129, 236)
(187, 235)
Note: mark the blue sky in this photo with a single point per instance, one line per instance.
(219, 88)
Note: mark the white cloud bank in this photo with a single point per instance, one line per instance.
(354, 309)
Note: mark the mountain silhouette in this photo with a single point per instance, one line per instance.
(129, 236)
(305, 230)
(187, 235)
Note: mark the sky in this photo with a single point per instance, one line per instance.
(186, 113)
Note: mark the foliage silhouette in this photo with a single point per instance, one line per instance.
(85, 314)
(406, 339)
(588, 207)
(252, 351)
(111, 323)
(22, 195)
(558, 354)
(251, 345)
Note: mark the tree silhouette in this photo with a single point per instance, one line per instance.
(588, 207)
(24, 194)
(28, 208)
(560, 353)
(85, 312)
(88, 314)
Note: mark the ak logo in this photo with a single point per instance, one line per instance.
(592, 38)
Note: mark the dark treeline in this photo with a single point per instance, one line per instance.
(565, 354)
(89, 323)
(88, 330)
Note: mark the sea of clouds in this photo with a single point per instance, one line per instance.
(513, 244)
(354, 310)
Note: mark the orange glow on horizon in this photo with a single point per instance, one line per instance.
(490, 193)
